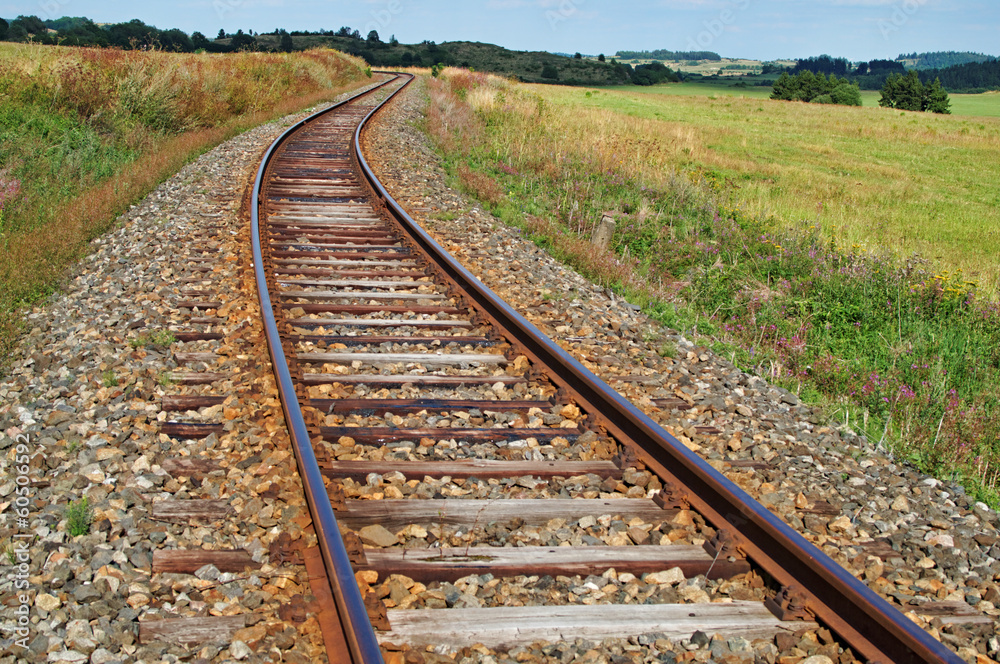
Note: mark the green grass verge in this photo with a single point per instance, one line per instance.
(906, 354)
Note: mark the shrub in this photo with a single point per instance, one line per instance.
(79, 517)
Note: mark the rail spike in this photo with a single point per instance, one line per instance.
(789, 605)
(723, 545)
(672, 497)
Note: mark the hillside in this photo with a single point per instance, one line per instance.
(528, 66)
(941, 59)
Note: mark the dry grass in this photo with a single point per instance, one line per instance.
(871, 178)
(152, 111)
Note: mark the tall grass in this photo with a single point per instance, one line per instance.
(908, 354)
(86, 132)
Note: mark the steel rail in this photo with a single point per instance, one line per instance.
(869, 624)
(357, 628)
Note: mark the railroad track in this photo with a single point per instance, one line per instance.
(455, 447)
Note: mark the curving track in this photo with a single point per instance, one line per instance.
(431, 419)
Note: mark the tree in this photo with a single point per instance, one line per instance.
(4, 26)
(393, 41)
(199, 41)
(600, 57)
(17, 32)
(343, 32)
(33, 25)
(373, 37)
(134, 34)
(909, 94)
(783, 88)
(846, 94)
(936, 98)
(176, 40)
(243, 42)
(578, 56)
(550, 72)
(903, 92)
(286, 45)
(816, 88)
(653, 73)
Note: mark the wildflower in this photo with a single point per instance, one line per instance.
(10, 189)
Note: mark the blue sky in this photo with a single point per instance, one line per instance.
(760, 29)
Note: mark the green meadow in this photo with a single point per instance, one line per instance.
(984, 105)
(870, 177)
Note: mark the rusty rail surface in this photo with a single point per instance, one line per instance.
(358, 633)
(812, 584)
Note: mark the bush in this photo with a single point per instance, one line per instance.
(907, 93)
(816, 88)
(79, 517)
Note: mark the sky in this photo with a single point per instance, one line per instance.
(757, 29)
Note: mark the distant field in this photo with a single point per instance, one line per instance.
(872, 177)
(724, 67)
(984, 105)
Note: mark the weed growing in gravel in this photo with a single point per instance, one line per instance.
(79, 517)
(160, 338)
(165, 379)
(907, 354)
(109, 379)
(8, 552)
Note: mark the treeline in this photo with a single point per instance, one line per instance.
(81, 31)
(942, 59)
(816, 88)
(872, 75)
(823, 64)
(651, 74)
(663, 54)
(970, 77)
(908, 93)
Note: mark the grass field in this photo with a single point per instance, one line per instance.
(984, 105)
(871, 177)
(782, 231)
